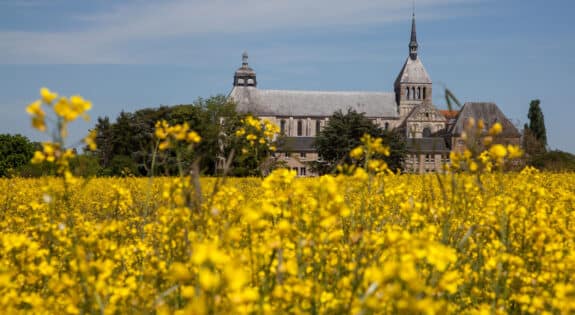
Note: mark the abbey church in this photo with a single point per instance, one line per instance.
(430, 133)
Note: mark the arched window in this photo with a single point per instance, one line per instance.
(299, 128)
(386, 126)
(317, 127)
(424, 93)
(418, 93)
(426, 132)
(283, 126)
(413, 93)
(407, 93)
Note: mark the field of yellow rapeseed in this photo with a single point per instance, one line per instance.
(361, 245)
(473, 240)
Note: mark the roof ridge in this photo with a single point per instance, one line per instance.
(326, 91)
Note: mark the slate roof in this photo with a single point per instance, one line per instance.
(312, 103)
(296, 144)
(429, 145)
(413, 71)
(489, 113)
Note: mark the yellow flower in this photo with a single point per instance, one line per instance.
(495, 129)
(164, 145)
(514, 151)
(209, 280)
(179, 271)
(356, 153)
(38, 157)
(35, 108)
(38, 115)
(498, 151)
(193, 137)
(39, 123)
(47, 95)
(188, 291)
(62, 109)
(473, 166)
(90, 140)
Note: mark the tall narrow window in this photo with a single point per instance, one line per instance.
(317, 127)
(386, 126)
(283, 126)
(424, 93)
(299, 128)
(413, 93)
(418, 93)
(407, 93)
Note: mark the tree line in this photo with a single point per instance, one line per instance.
(126, 146)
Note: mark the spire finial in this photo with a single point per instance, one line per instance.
(245, 58)
(413, 42)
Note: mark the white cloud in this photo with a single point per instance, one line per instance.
(110, 37)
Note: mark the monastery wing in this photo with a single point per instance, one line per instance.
(313, 103)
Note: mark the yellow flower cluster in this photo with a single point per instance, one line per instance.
(66, 110)
(482, 153)
(257, 131)
(169, 135)
(333, 244)
(368, 152)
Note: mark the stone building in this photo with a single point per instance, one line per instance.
(408, 109)
(490, 114)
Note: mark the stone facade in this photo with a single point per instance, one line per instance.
(430, 134)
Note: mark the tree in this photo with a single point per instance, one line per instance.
(15, 152)
(128, 143)
(536, 125)
(343, 133)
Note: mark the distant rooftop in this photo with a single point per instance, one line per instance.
(489, 113)
(313, 103)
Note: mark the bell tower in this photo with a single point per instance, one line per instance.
(413, 86)
(245, 76)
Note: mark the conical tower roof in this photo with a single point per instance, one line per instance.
(413, 70)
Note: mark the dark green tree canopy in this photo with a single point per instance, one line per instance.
(343, 133)
(537, 122)
(126, 146)
(15, 152)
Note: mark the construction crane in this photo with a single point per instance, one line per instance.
(449, 98)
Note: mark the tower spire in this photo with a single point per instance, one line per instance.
(413, 42)
(245, 58)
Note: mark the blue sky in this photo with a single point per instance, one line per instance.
(131, 54)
